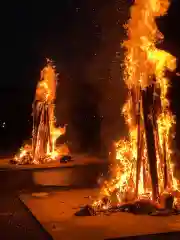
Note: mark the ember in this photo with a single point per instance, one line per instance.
(43, 148)
(143, 178)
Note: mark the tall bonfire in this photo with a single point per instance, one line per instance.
(144, 169)
(45, 133)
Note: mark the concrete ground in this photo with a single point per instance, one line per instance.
(16, 221)
(56, 212)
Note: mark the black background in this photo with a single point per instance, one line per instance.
(83, 38)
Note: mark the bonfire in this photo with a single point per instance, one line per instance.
(45, 133)
(143, 177)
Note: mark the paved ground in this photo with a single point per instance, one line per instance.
(162, 236)
(55, 211)
(16, 222)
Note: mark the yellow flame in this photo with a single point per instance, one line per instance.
(144, 65)
(46, 94)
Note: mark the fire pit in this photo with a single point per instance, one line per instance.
(45, 133)
(143, 180)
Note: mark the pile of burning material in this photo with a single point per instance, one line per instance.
(140, 207)
(143, 179)
(43, 148)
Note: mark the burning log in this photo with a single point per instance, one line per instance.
(139, 141)
(157, 109)
(150, 141)
(42, 133)
(165, 166)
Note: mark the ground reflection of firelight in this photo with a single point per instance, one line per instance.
(45, 133)
(143, 179)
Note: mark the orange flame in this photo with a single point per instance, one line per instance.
(45, 96)
(144, 65)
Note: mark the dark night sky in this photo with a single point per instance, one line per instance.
(83, 37)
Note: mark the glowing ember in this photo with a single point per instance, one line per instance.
(45, 133)
(144, 170)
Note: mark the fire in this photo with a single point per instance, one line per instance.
(139, 174)
(45, 133)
